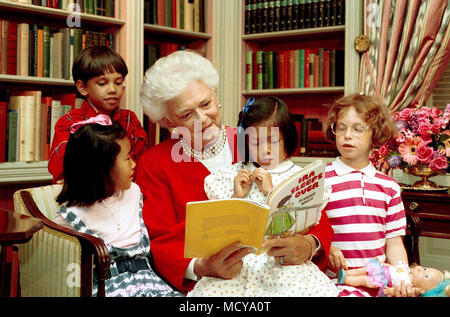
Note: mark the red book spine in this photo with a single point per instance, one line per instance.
(174, 13)
(282, 69)
(326, 68)
(12, 48)
(290, 69)
(161, 12)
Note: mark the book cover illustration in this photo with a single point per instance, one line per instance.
(296, 204)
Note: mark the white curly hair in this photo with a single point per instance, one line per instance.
(172, 75)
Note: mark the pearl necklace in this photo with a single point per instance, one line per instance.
(211, 151)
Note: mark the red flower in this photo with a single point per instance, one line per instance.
(439, 163)
(424, 154)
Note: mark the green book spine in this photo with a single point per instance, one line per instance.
(301, 68)
(91, 7)
(248, 70)
(46, 51)
(259, 65)
(13, 116)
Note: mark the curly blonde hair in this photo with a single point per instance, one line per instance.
(373, 112)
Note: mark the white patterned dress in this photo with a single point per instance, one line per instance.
(261, 275)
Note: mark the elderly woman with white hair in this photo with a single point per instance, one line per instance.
(179, 92)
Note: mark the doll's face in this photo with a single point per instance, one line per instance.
(425, 277)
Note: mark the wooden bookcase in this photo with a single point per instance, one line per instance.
(121, 25)
(311, 102)
(163, 37)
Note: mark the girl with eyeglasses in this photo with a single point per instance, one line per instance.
(365, 208)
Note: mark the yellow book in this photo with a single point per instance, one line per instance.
(292, 206)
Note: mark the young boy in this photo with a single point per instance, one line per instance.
(99, 73)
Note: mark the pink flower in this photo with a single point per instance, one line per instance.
(439, 163)
(436, 127)
(408, 150)
(424, 129)
(405, 114)
(424, 154)
(435, 112)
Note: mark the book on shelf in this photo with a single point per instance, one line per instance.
(187, 15)
(30, 124)
(292, 206)
(272, 16)
(316, 144)
(3, 129)
(42, 51)
(97, 7)
(303, 68)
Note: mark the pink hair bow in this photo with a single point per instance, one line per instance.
(101, 119)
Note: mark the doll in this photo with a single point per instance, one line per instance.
(429, 282)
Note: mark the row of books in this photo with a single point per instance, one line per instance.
(303, 68)
(181, 14)
(311, 139)
(35, 50)
(27, 124)
(153, 51)
(97, 7)
(271, 16)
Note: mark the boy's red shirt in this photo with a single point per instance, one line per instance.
(127, 119)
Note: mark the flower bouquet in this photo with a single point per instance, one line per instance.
(423, 142)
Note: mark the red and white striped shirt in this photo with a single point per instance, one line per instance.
(365, 209)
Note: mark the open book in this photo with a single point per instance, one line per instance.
(292, 206)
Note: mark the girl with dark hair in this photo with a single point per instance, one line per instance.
(267, 137)
(100, 198)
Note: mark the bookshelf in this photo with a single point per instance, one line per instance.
(189, 27)
(308, 99)
(121, 24)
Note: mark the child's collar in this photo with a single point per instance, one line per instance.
(342, 169)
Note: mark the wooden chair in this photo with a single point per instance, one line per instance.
(57, 261)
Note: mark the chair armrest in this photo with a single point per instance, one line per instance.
(91, 244)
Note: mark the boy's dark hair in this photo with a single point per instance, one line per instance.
(95, 61)
(88, 161)
(268, 108)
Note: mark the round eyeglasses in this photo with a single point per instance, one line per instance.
(356, 130)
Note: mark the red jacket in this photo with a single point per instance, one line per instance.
(167, 186)
(127, 119)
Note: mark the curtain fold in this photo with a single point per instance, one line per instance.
(409, 52)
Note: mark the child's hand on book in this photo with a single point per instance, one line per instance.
(242, 183)
(263, 180)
